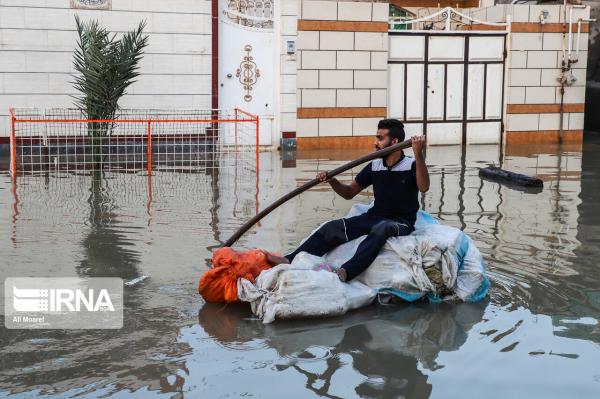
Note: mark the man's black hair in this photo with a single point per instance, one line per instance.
(395, 127)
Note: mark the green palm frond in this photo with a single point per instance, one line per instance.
(106, 67)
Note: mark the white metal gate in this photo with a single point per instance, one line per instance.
(448, 84)
(247, 59)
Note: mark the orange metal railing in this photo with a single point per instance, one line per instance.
(183, 139)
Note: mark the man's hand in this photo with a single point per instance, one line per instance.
(418, 143)
(322, 176)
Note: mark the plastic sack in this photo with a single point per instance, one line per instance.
(302, 290)
(435, 261)
(219, 284)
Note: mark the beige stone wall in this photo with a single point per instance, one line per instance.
(37, 38)
(535, 61)
(342, 68)
(288, 32)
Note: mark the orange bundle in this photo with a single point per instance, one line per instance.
(219, 284)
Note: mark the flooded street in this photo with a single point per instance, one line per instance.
(537, 335)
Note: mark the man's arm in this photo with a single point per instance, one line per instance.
(418, 143)
(346, 191)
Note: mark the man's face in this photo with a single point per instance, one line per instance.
(382, 139)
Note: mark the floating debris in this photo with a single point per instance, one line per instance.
(514, 180)
(136, 281)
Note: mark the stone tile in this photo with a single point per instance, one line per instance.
(307, 79)
(553, 41)
(518, 59)
(22, 83)
(353, 60)
(288, 102)
(288, 84)
(519, 12)
(307, 128)
(336, 40)
(549, 77)
(381, 12)
(496, 13)
(308, 40)
(536, 10)
(318, 98)
(522, 122)
(526, 41)
(549, 122)
(319, 10)
(364, 126)
(353, 98)
(318, 59)
(539, 95)
(370, 79)
(524, 77)
(516, 95)
(288, 121)
(335, 127)
(542, 59)
(573, 94)
(379, 98)
(289, 7)
(576, 121)
(354, 11)
(379, 60)
(335, 79)
(289, 24)
(374, 41)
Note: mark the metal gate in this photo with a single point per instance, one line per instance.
(246, 70)
(448, 83)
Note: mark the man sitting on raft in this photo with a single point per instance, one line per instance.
(395, 179)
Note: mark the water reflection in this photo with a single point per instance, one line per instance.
(387, 346)
(108, 253)
(116, 225)
(541, 251)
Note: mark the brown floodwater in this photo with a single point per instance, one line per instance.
(536, 335)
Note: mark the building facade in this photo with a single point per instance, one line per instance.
(322, 72)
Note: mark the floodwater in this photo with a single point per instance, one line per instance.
(537, 335)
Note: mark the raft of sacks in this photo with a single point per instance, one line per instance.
(435, 262)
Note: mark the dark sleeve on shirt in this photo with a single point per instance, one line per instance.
(413, 172)
(364, 177)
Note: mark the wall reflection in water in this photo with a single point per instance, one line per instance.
(120, 226)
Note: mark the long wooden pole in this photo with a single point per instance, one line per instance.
(377, 154)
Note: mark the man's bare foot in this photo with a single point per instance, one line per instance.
(275, 260)
(342, 274)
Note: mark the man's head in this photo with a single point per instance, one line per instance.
(389, 132)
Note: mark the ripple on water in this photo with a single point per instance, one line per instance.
(311, 354)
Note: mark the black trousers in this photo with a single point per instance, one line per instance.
(336, 232)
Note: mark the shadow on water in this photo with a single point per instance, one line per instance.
(387, 346)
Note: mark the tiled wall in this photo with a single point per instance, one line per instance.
(534, 68)
(342, 68)
(534, 61)
(37, 38)
(289, 21)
